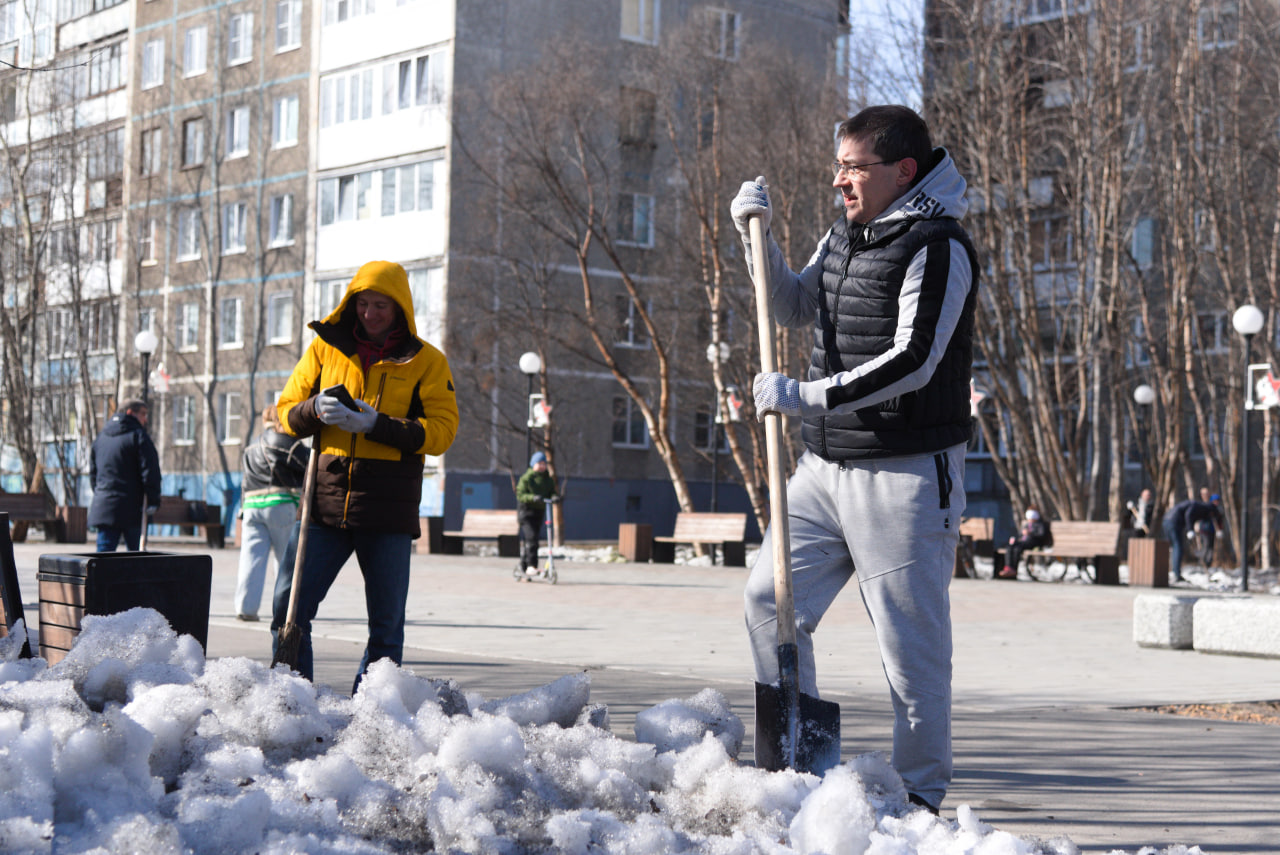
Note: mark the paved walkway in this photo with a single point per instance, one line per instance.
(1047, 742)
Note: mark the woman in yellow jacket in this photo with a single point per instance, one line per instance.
(369, 479)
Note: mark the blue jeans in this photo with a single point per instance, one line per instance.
(1177, 539)
(384, 563)
(109, 537)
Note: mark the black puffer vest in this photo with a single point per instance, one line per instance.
(857, 317)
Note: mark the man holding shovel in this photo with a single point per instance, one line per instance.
(890, 294)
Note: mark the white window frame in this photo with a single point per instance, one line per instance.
(636, 335)
(284, 122)
(1210, 30)
(631, 416)
(188, 248)
(1143, 243)
(634, 209)
(236, 133)
(193, 142)
(281, 220)
(195, 51)
(147, 242)
(722, 33)
(288, 25)
(240, 38)
(184, 419)
(328, 295)
(152, 64)
(187, 328)
(640, 21)
(706, 423)
(228, 424)
(235, 218)
(151, 151)
(230, 323)
(280, 317)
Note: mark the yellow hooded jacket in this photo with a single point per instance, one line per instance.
(372, 481)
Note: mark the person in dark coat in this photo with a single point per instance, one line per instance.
(273, 469)
(1182, 518)
(124, 469)
(1035, 532)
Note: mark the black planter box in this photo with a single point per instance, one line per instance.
(104, 583)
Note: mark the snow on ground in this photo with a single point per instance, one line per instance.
(136, 743)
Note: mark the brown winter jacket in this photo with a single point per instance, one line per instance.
(373, 481)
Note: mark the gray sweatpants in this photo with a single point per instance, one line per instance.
(894, 522)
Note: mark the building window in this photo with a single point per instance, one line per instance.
(280, 318)
(237, 133)
(1217, 25)
(152, 143)
(106, 155)
(281, 220)
(231, 322)
(184, 419)
(1134, 48)
(187, 330)
(229, 418)
(105, 66)
(328, 295)
(1144, 240)
(636, 117)
(193, 142)
(284, 122)
(147, 242)
(235, 215)
(153, 63)
(640, 21)
(426, 285)
(337, 11)
(188, 234)
(631, 331)
(629, 429)
(384, 193)
(195, 51)
(240, 38)
(722, 33)
(1211, 332)
(346, 98)
(635, 219)
(288, 25)
(103, 237)
(704, 432)
(413, 82)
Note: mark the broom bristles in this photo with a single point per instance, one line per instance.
(288, 643)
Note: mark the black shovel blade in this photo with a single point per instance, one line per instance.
(818, 732)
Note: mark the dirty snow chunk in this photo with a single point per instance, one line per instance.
(674, 725)
(400, 693)
(11, 644)
(491, 742)
(559, 702)
(836, 819)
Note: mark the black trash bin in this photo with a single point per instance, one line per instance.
(104, 583)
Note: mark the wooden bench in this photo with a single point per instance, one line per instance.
(26, 508)
(976, 538)
(175, 510)
(725, 530)
(1095, 544)
(481, 524)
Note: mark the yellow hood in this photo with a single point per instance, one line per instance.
(388, 279)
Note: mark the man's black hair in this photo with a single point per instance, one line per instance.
(895, 132)
(135, 406)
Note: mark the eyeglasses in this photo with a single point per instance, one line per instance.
(855, 169)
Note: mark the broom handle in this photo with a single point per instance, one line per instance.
(308, 487)
(778, 520)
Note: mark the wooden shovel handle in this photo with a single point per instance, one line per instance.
(773, 436)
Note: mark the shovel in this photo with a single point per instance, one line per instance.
(289, 636)
(793, 730)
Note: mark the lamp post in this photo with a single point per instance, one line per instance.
(1144, 396)
(717, 352)
(1247, 321)
(530, 365)
(145, 343)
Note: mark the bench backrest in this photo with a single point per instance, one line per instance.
(1085, 538)
(979, 528)
(708, 527)
(25, 506)
(479, 522)
(175, 510)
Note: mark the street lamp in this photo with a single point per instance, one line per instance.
(530, 365)
(1247, 321)
(145, 343)
(1144, 396)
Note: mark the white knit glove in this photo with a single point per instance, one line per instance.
(330, 410)
(752, 198)
(776, 393)
(359, 422)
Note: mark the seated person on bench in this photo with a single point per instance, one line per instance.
(1035, 532)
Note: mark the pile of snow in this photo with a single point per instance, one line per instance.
(135, 742)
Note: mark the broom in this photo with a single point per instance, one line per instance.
(289, 636)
